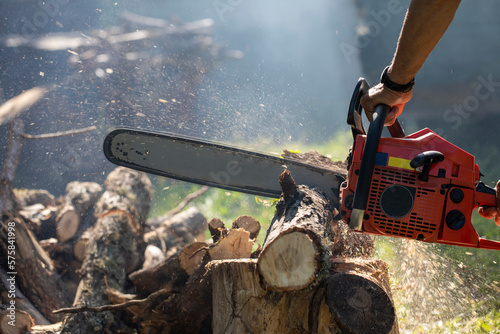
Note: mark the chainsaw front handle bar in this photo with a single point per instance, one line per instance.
(367, 165)
(355, 113)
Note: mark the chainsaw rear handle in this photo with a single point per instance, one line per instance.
(355, 112)
(485, 197)
(367, 165)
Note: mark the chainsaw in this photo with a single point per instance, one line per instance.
(418, 187)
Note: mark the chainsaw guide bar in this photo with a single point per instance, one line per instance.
(213, 164)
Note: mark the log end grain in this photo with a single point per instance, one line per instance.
(359, 305)
(68, 222)
(248, 223)
(217, 229)
(236, 245)
(290, 262)
(192, 256)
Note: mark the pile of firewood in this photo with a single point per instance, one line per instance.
(93, 262)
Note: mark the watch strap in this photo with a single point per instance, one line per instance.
(384, 79)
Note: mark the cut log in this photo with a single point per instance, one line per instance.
(242, 305)
(10, 291)
(188, 310)
(249, 224)
(122, 210)
(360, 298)
(41, 220)
(346, 243)
(128, 191)
(217, 229)
(235, 245)
(179, 230)
(80, 196)
(80, 245)
(297, 243)
(35, 273)
(173, 271)
(68, 222)
(27, 197)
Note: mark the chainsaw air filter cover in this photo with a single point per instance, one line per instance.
(396, 201)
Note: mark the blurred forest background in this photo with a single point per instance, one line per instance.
(267, 75)
(290, 81)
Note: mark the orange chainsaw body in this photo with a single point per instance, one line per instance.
(400, 204)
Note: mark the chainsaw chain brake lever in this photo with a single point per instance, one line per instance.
(355, 113)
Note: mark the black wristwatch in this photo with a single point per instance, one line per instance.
(395, 86)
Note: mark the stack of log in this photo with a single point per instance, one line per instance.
(93, 262)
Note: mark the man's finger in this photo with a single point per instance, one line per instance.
(393, 114)
(488, 213)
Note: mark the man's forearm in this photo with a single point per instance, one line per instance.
(425, 23)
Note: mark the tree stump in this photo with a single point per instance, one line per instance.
(111, 249)
(352, 298)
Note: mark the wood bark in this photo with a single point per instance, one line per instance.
(28, 197)
(35, 273)
(173, 271)
(189, 309)
(122, 210)
(9, 290)
(41, 220)
(9, 166)
(297, 243)
(359, 296)
(217, 229)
